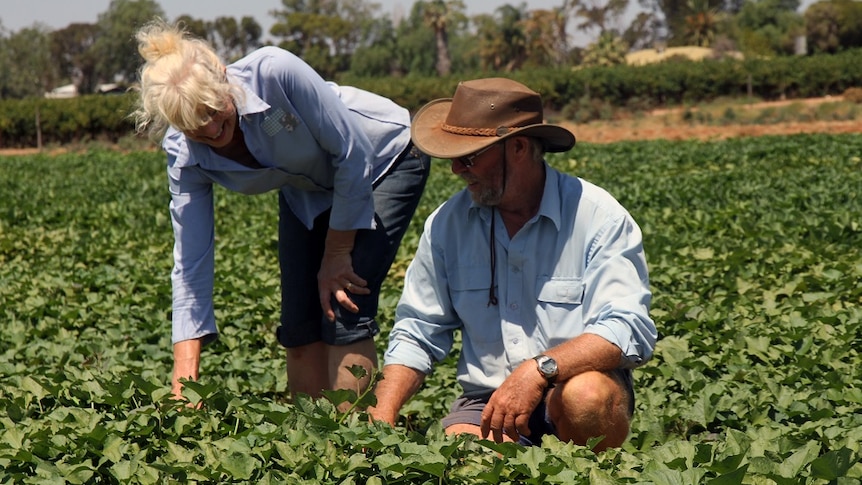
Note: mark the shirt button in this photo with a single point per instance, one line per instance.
(513, 306)
(515, 341)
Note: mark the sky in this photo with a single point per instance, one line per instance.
(57, 14)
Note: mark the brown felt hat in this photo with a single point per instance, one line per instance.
(483, 112)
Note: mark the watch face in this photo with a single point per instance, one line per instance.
(547, 366)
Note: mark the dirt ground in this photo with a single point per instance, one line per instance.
(660, 124)
(609, 132)
(663, 124)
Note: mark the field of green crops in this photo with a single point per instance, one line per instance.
(755, 252)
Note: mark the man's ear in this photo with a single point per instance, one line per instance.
(519, 144)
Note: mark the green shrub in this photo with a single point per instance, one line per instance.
(582, 94)
(61, 121)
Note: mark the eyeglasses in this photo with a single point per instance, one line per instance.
(467, 160)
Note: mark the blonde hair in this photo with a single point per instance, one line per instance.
(182, 81)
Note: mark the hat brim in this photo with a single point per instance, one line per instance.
(428, 134)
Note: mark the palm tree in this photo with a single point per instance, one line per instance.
(597, 14)
(608, 50)
(440, 15)
(701, 23)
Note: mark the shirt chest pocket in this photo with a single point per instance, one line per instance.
(469, 278)
(469, 287)
(560, 290)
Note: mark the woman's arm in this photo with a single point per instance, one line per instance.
(187, 360)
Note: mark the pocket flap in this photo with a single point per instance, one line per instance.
(561, 290)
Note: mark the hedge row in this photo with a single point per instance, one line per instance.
(59, 121)
(669, 83)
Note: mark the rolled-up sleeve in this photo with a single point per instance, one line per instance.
(192, 277)
(617, 296)
(425, 321)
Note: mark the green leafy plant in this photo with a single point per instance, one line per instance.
(754, 253)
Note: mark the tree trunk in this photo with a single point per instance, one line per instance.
(444, 63)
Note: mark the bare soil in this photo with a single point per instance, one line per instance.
(668, 124)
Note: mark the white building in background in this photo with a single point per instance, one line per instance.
(67, 91)
(70, 90)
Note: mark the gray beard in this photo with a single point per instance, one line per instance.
(487, 197)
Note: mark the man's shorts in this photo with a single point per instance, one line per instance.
(468, 410)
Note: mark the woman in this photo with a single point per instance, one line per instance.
(348, 182)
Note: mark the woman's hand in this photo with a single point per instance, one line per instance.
(336, 276)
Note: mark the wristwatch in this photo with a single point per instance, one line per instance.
(547, 367)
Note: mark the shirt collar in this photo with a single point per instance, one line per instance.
(550, 207)
(251, 102)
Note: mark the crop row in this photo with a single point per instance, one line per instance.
(755, 254)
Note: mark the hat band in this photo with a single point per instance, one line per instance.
(462, 130)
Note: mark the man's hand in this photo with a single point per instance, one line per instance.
(509, 409)
(377, 414)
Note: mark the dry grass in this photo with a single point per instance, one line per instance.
(649, 56)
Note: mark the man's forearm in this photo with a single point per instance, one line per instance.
(399, 383)
(586, 352)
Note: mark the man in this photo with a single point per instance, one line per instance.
(543, 273)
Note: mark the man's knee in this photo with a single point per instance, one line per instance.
(590, 405)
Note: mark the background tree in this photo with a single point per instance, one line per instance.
(74, 56)
(250, 35)
(196, 27)
(116, 51)
(605, 21)
(701, 23)
(823, 28)
(226, 38)
(643, 31)
(441, 16)
(834, 25)
(27, 67)
(412, 54)
(599, 16)
(5, 63)
(768, 27)
(232, 39)
(608, 50)
(669, 24)
(325, 33)
(547, 38)
(378, 58)
(502, 44)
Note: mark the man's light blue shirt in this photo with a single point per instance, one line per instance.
(321, 144)
(576, 267)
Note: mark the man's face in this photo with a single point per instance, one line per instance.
(483, 173)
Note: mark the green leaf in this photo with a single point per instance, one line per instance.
(834, 464)
(735, 477)
(239, 465)
(793, 465)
